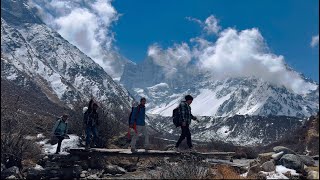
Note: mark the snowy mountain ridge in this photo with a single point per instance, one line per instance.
(31, 50)
(219, 98)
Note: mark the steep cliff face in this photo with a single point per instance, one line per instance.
(31, 50)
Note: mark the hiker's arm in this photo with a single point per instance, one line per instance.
(183, 113)
(133, 115)
(55, 127)
(66, 130)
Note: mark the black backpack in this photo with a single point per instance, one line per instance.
(176, 117)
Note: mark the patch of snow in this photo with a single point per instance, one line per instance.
(40, 136)
(282, 169)
(38, 167)
(73, 142)
(12, 76)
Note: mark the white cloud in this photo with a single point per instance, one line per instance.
(245, 54)
(86, 24)
(315, 41)
(172, 58)
(234, 54)
(210, 25)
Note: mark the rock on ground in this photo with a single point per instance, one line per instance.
(307, 160)
(284, 149)
(264, 157)
(313, 175)
(268, 166)
(292, 161)
(277, 156)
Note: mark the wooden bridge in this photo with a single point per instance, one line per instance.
(148, 153)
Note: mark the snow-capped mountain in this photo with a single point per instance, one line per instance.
(220, 98)
(31, 50)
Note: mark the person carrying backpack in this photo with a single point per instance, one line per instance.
(137, 124)
(91, 123)
(60, 130)
(185, 119)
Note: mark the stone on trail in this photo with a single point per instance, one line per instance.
(284, 149)
(264, 157)
(307, 160)
(313, 175)
(268, 166)
(292, 161)
(277, 156)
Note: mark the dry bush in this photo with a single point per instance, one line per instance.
(14, 128)
(226, 172)
(183, 170)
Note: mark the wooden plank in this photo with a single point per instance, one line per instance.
(143, 152)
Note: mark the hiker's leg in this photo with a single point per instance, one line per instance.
(146, 136)
(60, 138)
(88, 134)
(135, 136)
(182, 136)
(188, 134)
(95, 135)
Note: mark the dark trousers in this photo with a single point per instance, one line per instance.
(94, 131)
(60, 138)
(185, 133)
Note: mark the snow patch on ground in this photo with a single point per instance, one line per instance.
(73, 142)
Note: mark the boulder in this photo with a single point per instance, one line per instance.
(292, 161)
(285, 150)
(307, 160)
(265, 157)
(253, 171)
(313, 175)
(112, 169)
(268, 166)
(14, 170)
(277, 156)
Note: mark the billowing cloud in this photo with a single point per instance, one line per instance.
(210, 25)
(245, 54)
(315, 41)
(86, 24)
(234, 54)
(172, 58)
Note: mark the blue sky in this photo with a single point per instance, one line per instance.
(287, 26)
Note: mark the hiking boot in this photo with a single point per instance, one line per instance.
(177, 149)
(191, 150)
(147, 148)
(87, 148)
(133, 150)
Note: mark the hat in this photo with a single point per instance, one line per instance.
(188, 97)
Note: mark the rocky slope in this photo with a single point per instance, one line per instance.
(31, 50)
(238, 130)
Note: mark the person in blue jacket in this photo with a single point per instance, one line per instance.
(138, 125)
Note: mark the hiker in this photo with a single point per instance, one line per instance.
(138, 125)
(91, 122)
(186, 116)
(60, 130)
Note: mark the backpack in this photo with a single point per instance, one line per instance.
(176, 117)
